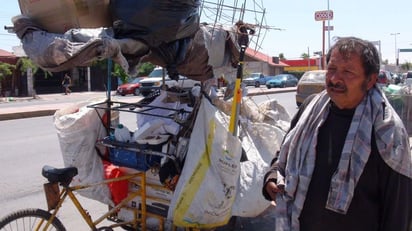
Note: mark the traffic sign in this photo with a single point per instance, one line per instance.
(323, 15)
(328, 28)
(405, 50)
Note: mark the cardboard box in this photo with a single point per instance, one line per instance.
(155, 206)
(153, 191)
(58, 16)
(152, 177)
(128, 214)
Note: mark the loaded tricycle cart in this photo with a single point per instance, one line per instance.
(181, 167)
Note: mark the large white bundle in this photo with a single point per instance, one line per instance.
(78, 128)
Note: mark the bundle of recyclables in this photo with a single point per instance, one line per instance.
(161, 126)
(134, 152)
(184, 147)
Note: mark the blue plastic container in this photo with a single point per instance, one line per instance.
(136, 160)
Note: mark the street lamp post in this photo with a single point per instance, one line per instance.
(328, 29)
(396, 49)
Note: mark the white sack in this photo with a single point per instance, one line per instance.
(262, 130)
(78, 129)
(207, 185)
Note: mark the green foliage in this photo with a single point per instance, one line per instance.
(406, 66)
(25, 63)
(145, 69)
(119, 72)
(304, 55)
(282, 56)
(6, 70)
(101, 63)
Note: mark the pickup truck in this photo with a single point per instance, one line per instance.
(255, 79)
(154, 81)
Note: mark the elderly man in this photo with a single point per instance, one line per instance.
(345, 164)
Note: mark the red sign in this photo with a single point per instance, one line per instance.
(323, 15)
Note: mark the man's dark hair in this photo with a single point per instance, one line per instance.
(367, 51)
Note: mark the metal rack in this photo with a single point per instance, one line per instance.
(180, 116)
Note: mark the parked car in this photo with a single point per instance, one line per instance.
(384, 78)
(154, 81)
(255, 79)
(397, 78)
(282, 80)
(310, 83)
(409, 75)
(408, 78)
(132, 87)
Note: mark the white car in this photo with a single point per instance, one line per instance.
(155, 81)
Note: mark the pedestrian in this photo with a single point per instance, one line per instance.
(345, 164)
(67, 81)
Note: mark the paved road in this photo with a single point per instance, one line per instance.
(47, 104)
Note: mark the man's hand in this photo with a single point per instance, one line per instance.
(272, 189)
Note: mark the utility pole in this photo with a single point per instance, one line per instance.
(329, 28)
(396, 49)
(308, 60)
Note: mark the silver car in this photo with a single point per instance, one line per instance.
(310, 83)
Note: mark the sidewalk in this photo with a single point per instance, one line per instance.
(46, 104)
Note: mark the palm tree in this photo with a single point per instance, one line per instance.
(304, 56)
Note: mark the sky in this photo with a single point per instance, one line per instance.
(293, 28)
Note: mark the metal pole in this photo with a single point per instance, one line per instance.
(328, 29)
(237, 97)
(89, 86)
(323, 45)
(396, 49)
(108, 100)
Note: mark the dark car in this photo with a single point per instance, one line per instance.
(408, 78)
(282, 80)
(132, 87)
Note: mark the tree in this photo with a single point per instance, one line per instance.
(144, 69)
(282, 56)
(119, 72)
(406, 66)
(6, 70)
(304, 55)
(25, 63)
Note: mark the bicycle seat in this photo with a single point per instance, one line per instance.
(59, 175)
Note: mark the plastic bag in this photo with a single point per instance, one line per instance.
(207, 186)
(78, 128)
(155, 22)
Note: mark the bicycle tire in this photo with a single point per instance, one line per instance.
(25, 220)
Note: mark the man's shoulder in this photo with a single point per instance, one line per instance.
(301, 109)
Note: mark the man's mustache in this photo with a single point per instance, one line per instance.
(336, 86)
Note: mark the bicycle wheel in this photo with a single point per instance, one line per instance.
(30, 219)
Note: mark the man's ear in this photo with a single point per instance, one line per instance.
(372, 80)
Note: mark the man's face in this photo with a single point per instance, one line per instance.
(346, 82)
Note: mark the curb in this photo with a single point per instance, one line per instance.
(268, 92)
(29, 114)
